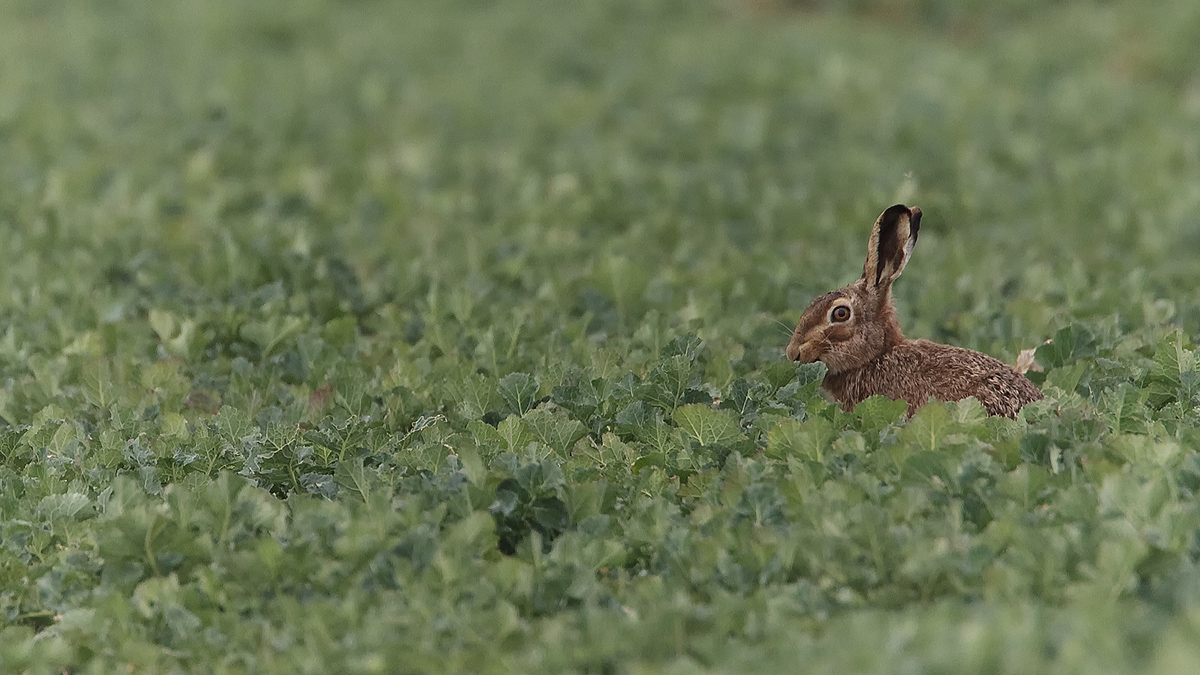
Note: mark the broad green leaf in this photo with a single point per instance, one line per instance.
(555, 430)
(472, 464)
(584, 500)
(519, 391)
(808, 374)
(1171, 361)
(877, 412)
(1125, 408)
(271, 333)
(488, 439)
(60, 506)
(163, 323)
(578, 395)
(1024, 484)
(705, 425)
(809, 439)
(928, 427)
(66, 439)
(635, 418)
(231, 423)
(474, 535)
(688, 345)
(1066, 379)
(666, 385)
(743, 397)
(1068, 345)
(515, 433)
(927, 466)
(662, 438)
(175, 425)
(967, 415)
(352, 477)
(613, 451)
(320, 484)
(1141, 450)
(474, 395)
(340, 332)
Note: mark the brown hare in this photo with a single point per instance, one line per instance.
(854, 332)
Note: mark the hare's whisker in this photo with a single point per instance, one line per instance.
(788, 329)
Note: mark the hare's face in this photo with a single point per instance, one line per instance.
(851, 327)
(842, 329)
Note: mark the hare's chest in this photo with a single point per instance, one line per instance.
(890, 377)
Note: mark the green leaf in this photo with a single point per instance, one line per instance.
(1066, 379)
(472, 464)
(352, 477)
(928, 427)
(175, 425)
(1125, 408)
(519, 391)
(743, 397)
(163, 323)
(705, 425)
(474, 395)
(1069, 344)
(780, 373)
(515, 433)
(967, 415)
(810, 374)
(809, 439)
(320, 484)
(635, 418)
(689, 346)
(878, 412)
(584, 500)
(474, 535)
(272, 333)
(667, 383)
(555, 430)
(63, 506)
(1171, 361)
(232, 423)
(340, 332)
(487, 438)
(927, 466)
(578, 395)
(662, 438)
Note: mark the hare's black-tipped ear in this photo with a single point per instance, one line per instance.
(891, 244)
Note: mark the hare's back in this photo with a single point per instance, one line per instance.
(952, 373)
(916, 371)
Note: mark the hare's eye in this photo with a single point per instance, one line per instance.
(839, 314)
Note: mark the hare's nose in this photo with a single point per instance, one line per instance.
(915, 218)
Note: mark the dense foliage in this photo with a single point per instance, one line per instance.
(377, 337)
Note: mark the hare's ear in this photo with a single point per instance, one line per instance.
(891, 245)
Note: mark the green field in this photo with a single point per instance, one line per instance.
(398, 337)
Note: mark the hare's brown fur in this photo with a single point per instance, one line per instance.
(867, 354)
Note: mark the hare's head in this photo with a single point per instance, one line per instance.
(849, 327)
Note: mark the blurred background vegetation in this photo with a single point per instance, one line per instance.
(315, 214)
(624, 156)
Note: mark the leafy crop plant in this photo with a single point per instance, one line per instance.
(360, 336)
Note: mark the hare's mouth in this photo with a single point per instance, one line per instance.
(802, 352)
